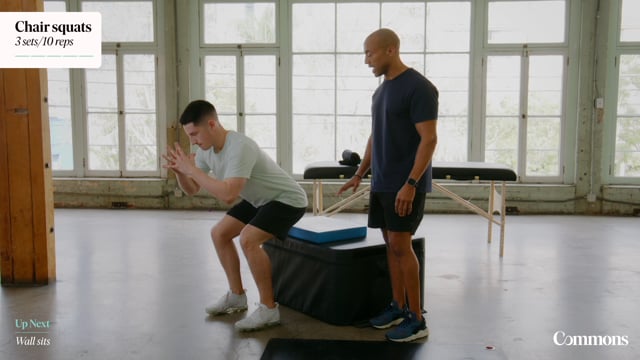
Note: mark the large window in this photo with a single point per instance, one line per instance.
(291, 75)
(625, 150)
(121, 116)
(104, 121)
(525, 71)
(524, 97)
(243, 89)
(120, 97)
(332, 87)
(240, 65)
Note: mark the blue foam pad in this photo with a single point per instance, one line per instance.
(322, 229)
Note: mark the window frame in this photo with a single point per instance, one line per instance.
(194, 43)
(471, 53)
(197, 83)
(615, 48)
(239, 55)
(569, 50)
(79, 109)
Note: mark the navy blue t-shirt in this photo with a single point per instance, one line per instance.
(398, 105)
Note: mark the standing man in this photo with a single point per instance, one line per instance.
(230, 166)
(399, 152)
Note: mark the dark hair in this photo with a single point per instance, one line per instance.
(197, 111)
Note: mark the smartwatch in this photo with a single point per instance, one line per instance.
(412, 182)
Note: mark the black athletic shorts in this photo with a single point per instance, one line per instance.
(382, 212)
(274, 217)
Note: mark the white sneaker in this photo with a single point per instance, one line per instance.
(228, 304)
(261, 318)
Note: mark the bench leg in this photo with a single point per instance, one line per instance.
(317, 197)
(503, 216)
(490, 212)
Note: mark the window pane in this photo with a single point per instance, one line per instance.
(415, 61)
(352, 133)
(102, 115)
(526, 22)
(139, 83)
(314, 140)
(59, 101)
(260, 84)
(503, 85)
(545, 85)
(543, 146)
(313, 84)
(448, 26)
(262, 129)
(452, 138)
(221, 88)
(544, 98)
(142, 149)
(627, 156)
(501, 145)
(356, 85)
(102, 92)
(313, 27)
(140, 110)
(629, 85)
(450, 74)
(355, 22)
(404, 19)
(103, 141)
(239, 23)
(630, 21)
(502, 110)
(627, 152)
(134, 16)
(229, 122)
(260, 101)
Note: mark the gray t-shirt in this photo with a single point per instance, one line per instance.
(241, 157)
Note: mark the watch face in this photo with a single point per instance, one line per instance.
(412, 182)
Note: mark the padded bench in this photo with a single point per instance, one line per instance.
(495, 174)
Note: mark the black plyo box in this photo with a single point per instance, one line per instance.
(339, 283)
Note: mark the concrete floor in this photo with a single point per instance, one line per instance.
(133, 285)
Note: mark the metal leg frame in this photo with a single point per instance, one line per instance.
(497, 203)
(318, 204)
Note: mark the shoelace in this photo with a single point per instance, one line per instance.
(408, 319)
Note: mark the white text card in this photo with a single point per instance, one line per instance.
(50, 40)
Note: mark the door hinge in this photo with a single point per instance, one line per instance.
(84, 163)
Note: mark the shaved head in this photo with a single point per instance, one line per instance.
(382, 52)
(385, 38)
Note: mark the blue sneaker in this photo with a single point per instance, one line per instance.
(392, 315)
(410, 329)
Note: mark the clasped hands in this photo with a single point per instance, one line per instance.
(179, 161)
